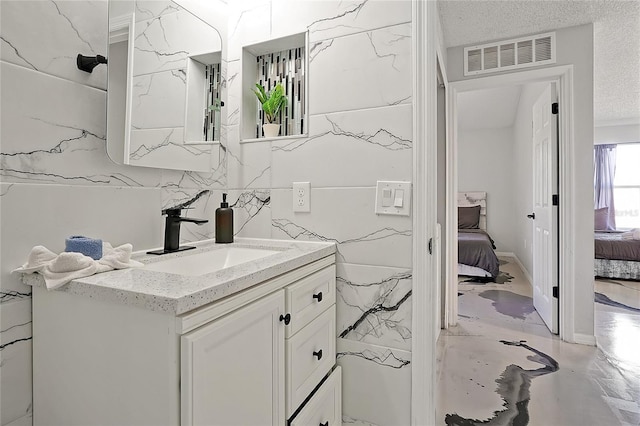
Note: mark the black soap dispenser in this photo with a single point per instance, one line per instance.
(224, 222)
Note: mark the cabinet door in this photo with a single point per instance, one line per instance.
(233, 368)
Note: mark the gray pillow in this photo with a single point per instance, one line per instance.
(601, 219)
(469, 217)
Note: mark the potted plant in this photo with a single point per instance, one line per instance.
(271, 102)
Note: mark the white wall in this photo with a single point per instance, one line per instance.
(574, 46)
(624, 133)
(485, 163)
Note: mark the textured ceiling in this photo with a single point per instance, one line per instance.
(616, 39)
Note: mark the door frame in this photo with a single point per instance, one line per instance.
(563, 77)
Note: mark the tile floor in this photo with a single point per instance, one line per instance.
(489, 376)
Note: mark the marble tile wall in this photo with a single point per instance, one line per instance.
(360, 131)
(56, 178)
(165, 35)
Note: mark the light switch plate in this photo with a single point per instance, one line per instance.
(393, 197)
(301, 197)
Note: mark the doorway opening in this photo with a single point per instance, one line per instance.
(514, 232)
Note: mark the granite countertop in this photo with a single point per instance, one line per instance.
(178, 294)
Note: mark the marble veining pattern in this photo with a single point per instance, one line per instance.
(52, 139)
(381, 135)
(79, 27)
(12, 295)
(376, 383)
(485, 378)
(331, 19)
(364, 61)
(374, 305)
(248, 206)
(513, 386)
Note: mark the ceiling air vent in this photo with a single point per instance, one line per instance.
(510, 54)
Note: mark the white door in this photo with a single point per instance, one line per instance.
(233, 368)
(544, 234)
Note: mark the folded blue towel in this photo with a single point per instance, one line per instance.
(88, 246)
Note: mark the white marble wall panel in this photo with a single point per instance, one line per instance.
(249, 164)
(233, 82)
(374, 69)
(163, 43)
(374, 305)
(382, 136)
(251, 212)
(15, 360)
(53, 131)
(332, 18)
(165, 147)
(47, 214)
(149, 9)
(376, 383)
(158, 100)
(198, 204)
(345, 216)
(48, 35)
(249, 23)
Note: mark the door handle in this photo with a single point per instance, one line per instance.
(531, 216)
(318, 354)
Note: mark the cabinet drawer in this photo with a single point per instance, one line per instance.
(310, 355)
(309, 297)
(325, 407)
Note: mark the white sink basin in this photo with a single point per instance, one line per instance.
(206, 262)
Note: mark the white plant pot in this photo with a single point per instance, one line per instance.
(271, 130)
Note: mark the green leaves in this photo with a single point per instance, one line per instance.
(272, 101)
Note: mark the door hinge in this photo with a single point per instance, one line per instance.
(554, 108)
(555, 200)
(556, 292)
(430, 245)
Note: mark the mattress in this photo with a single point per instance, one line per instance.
(611, 246)
(475, 248)
(621, 269)
(472, 271)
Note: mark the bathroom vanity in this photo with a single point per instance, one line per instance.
(182, 342)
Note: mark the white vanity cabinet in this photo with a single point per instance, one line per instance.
(262, 356)
(233, 368)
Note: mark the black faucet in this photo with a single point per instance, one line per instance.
(172, 231)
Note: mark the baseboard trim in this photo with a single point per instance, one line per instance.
(584, 339)
(515, 258)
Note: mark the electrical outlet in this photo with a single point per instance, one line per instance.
(301, 197)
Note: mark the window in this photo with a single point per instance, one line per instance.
(626, 186)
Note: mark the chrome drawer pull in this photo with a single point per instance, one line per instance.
(286, 319)
(318, 296)
(318, 354)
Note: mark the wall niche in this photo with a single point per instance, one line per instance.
(285, 61)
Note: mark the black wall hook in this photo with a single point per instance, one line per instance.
(88, 63)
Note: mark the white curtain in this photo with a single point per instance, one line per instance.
(605, 171)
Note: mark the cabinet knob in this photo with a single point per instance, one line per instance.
(286, 319)
(318, 296)
(324, 424)
(318, 354)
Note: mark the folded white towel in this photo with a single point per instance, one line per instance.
(59, 269)
(633, 234)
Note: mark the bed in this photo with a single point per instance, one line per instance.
(616, 257)
(476, 255)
